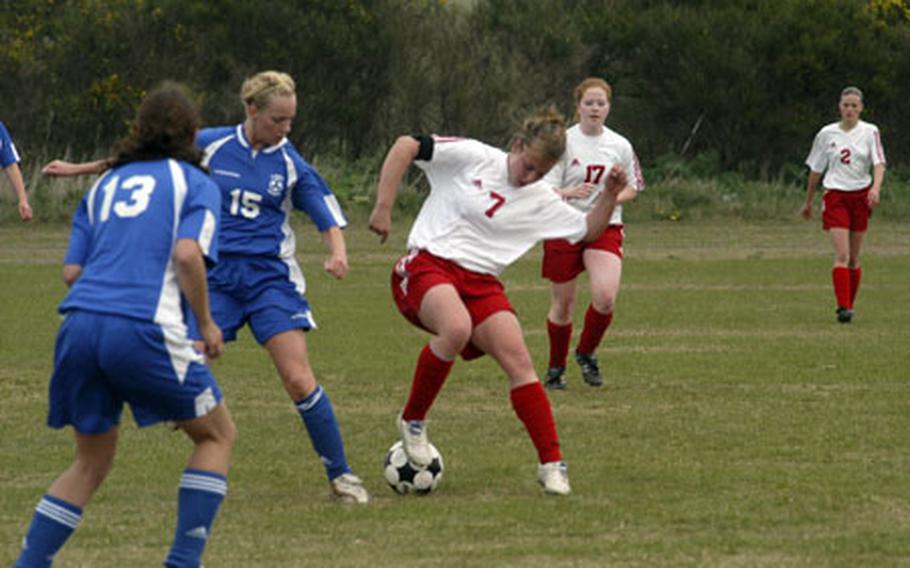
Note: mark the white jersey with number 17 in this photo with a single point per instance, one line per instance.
(588, 159)
(476, 218)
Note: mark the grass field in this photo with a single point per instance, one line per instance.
(740, 426)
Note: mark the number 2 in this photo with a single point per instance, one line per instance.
(499, 201)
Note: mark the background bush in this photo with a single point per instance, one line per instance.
(727, 87)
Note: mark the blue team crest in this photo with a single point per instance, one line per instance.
(276, 184)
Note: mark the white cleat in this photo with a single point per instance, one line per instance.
(348, 488)
(554, 476)
(415, 441)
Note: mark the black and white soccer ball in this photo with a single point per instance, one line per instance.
(404, 477)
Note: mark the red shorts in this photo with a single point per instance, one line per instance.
(416, 273)
(563, 261)
(846, 210)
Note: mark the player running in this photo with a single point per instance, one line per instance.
(136, 255)
(845, 151)
(483, 212)
(579, 176)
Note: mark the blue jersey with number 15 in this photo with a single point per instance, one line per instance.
(258, 190)
(124, 233)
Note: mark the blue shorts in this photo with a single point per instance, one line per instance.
(104, 360)
(265, 292)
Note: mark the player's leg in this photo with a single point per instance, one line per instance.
(853, 263)
(604, 270)
(60, 510)
(290, 355)
(559, 331)
(443, 313)
(203, 485)
(500, 336)
(840, 273)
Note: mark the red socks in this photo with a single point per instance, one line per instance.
(560, 337)
(429, 376)
(855, 275)
(841, 277)
(533, 408)
(596, 325)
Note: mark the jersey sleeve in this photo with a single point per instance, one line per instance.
(8, 153)
(556, 219)
(311, 194)
(80, 236)
(200, 215)
(633, 168)
(877, 151)
(817, 161)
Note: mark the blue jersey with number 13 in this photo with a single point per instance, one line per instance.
(124, 233)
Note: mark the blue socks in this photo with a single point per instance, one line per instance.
(200, 495)
(319, 419)
(53, 523)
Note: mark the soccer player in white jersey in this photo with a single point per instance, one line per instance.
(258, 282)
(579, 177)
(846, 151)
(136, 260)
(483, 212)
(9, 163)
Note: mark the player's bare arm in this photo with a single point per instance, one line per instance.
(336, 263)
(878, 175)
(14, 174)
(811, 185)
(62, 168)
(191, 277)
(396, 163)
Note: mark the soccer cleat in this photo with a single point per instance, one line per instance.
(348, 488)
(844, 315)
(554, 476)
(556, 378)
(590, 371)
(415, 441)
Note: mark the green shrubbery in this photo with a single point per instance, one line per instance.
(677, 190)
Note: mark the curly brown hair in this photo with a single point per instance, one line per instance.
(165, 127)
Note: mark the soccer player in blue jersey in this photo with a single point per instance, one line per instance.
(135, 267)
(9, 163)
(258, 281)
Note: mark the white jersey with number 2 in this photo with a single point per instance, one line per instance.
(846, 157)
(476, 218)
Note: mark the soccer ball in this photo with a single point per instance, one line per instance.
(404, 477)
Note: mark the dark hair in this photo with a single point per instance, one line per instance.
(165, 127)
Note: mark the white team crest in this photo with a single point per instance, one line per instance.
(276, 184)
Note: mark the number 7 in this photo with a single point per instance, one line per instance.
(499, 201)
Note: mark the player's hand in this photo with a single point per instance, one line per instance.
(336, 265)
(25, 211)
(381, 222)
(873, 198)
(806, 211)
(617, 180)
(214, 341)
(579, 191)
(58, 168)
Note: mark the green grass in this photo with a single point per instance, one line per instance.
(740, 426)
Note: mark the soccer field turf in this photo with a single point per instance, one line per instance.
(740, 425)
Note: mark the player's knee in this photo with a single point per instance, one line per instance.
(603, 303)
